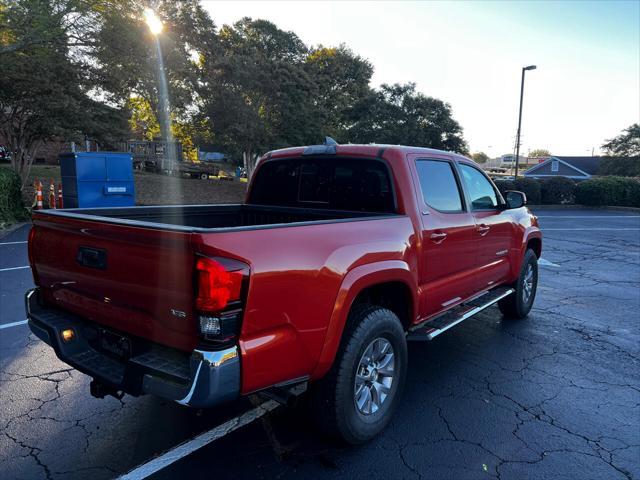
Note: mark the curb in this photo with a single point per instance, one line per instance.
(583, 207)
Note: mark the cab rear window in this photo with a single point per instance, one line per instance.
(328, 183)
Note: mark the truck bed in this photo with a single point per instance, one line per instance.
(143, 257)
(195, 218)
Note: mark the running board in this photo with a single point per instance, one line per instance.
(458, 314)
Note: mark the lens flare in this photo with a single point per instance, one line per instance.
(153, 21)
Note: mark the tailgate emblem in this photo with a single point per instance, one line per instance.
(178, 313)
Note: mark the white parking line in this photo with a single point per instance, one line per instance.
(588, 216)
(547, 263)
(13, 324)
(190, 446)
(12, 243)
(590, 229)
(14, 268)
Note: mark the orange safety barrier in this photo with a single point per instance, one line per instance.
(38, 187)
(52, 194)
(60, 204)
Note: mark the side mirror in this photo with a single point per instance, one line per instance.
(515, 199)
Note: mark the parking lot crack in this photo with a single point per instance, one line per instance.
(34, 453)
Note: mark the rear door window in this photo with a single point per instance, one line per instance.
(439, 185)
(329, 183)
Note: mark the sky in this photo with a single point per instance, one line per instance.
(586, 87)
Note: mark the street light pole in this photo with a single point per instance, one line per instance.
(524, 69)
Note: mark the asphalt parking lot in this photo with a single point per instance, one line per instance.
(555, 396)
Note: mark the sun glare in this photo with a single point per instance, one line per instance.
(153, 21)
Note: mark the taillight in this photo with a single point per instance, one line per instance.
(32, 237)
(30, 246)
(221, 284)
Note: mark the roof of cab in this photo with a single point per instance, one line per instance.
(368, 150)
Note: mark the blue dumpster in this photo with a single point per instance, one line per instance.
(97, 179)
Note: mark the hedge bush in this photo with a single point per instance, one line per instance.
(531, 188)
(602, 191)
(11, 206)
(557, 191)
(504, 185)
(614, 191)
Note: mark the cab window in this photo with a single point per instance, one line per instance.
(481, 193)
(329, 183)
(439, 186)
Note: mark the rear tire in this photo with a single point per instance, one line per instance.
(360, 394)
(519, 304)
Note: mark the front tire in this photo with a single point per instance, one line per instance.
(519, 304)
(360, 394)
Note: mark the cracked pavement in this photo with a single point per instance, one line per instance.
(555, 396)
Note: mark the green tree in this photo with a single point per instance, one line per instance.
(398, 114)
(480, 157)
(44, 91)
(342, 81)
(622, 167)
(54, 23)
(256, 93)
(142, 122)
(144, 126)
(127, 55)
(539, 153)
(627, 144)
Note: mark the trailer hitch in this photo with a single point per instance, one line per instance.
(100, 390)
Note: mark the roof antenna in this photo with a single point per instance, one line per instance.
(330, 141)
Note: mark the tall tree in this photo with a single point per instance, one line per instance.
(539, 153)
(256, 92)
(342, 82)
(128, 54)
(627, 144)
(54, 23)
(480, 157)
(398, 114)
(44, 88)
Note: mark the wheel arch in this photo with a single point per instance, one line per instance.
(388, 281)
(534, 243)
(532, 238)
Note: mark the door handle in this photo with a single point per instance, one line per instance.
(438, 237)
(483, 229)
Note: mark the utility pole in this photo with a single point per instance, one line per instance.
(524, 69)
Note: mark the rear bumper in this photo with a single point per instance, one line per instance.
(203, 379)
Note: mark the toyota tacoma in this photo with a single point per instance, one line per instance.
(339, 255)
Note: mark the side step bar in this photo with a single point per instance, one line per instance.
(456, 315)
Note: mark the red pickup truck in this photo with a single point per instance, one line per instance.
(339, 256)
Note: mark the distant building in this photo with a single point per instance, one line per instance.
(508, 162)
(577, 168)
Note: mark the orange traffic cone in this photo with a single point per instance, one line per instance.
(52, 194)
(60, 196)
(35, 194)
(39, 205)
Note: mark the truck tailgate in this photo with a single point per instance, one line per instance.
(135, 280)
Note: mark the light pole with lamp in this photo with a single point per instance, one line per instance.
(524, 69)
